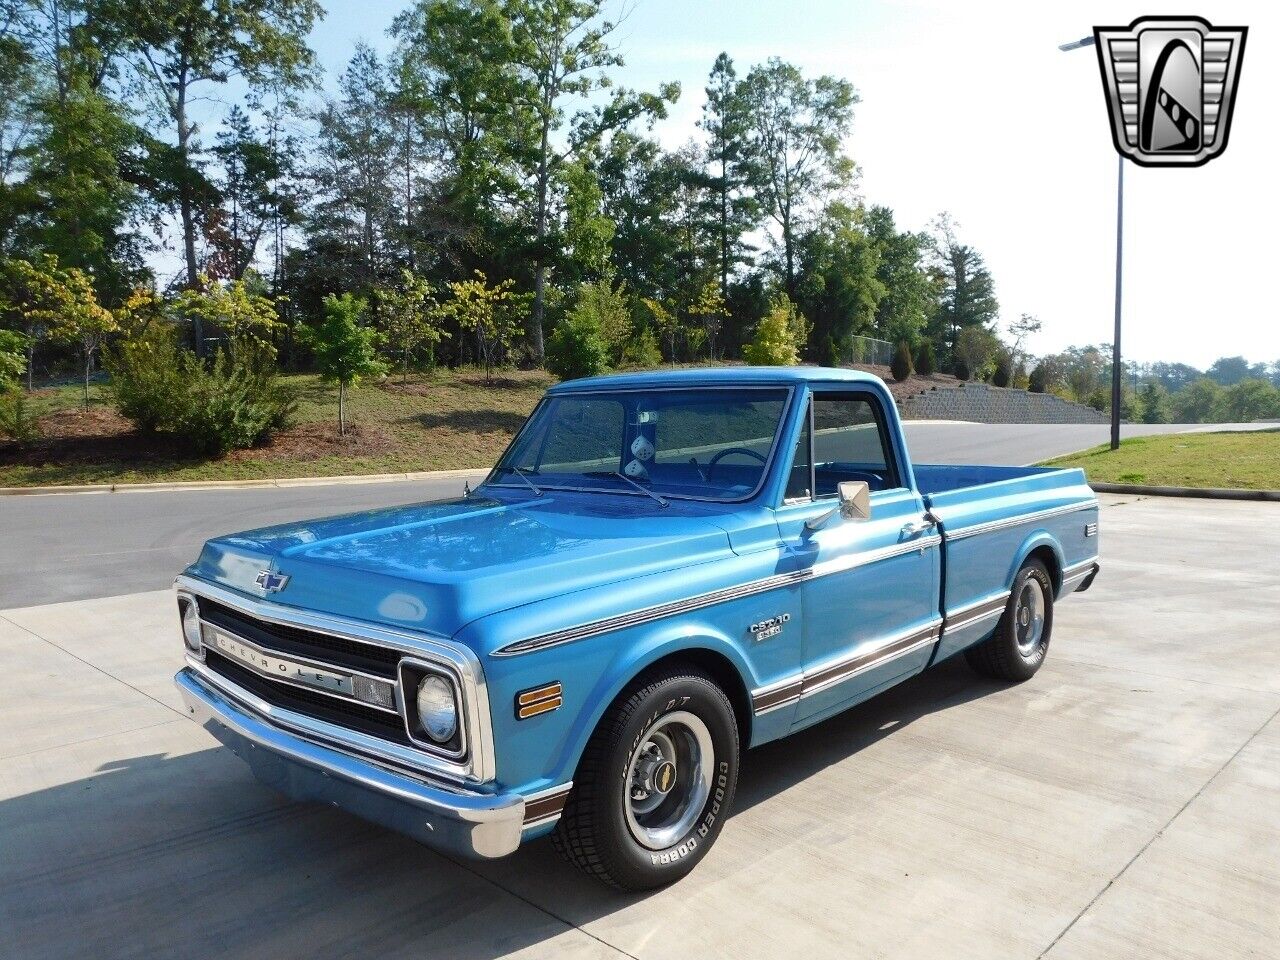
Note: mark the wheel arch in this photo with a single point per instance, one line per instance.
(713, 656)
(1044, 547)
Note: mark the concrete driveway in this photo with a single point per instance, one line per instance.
(1124, 803)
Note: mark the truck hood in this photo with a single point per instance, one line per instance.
(437, 567)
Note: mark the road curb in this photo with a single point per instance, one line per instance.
(1204, 493)
(254, 484)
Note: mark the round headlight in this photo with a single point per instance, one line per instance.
(437, 712)
(191, 625)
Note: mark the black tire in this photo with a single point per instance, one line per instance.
(1014, 651)
(598, 831)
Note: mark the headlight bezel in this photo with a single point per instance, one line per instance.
(412, 674)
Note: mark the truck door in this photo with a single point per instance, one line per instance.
(870, 602)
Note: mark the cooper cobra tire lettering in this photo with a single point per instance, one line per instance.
(594, 832)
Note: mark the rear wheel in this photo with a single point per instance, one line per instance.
(655, 783)
(1020, 642)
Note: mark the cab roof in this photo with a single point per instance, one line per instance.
(718, 377)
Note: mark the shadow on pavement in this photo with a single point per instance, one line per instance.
(188, 856)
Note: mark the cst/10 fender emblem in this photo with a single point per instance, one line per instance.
(769, 628)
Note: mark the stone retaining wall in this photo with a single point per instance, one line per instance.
(982, 403)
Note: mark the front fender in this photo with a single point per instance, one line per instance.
(660, 642)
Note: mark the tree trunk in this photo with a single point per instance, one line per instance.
(31, 365)
(724, 235)
(540, 270)
(88, 359)
(186, 203)
(342, 409)
(790, 254)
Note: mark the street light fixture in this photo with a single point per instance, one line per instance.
(1115, 340)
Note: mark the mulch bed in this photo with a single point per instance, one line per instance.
(100, 435)
(311, 441)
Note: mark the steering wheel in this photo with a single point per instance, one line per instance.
(717, 457)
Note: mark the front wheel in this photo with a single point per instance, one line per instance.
(655, 783)
(1020, 642)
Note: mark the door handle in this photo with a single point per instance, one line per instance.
(917, 526)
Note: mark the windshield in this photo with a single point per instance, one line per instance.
(708, 443)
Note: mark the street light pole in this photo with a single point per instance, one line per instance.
(1116, 373)
(1115, 340)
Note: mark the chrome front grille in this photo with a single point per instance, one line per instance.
(308, 644)
(338, 710)
(339, 680)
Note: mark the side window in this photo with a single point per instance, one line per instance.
(798, 480)
(850, 443)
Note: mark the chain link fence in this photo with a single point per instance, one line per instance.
(868, 350)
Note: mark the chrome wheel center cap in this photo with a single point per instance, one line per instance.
(655, 775)
(1024, 617)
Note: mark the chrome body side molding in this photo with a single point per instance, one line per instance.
(967, 616)
(993, 525)
(792, 689)
(700, 601)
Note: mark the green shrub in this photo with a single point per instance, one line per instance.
(901, 366)
(1036, 381)
(150, 380)
(830, 352)
(926, 362)
(1002, 375)
(13, 358)
(602, 308)
(778, 335)
(576, 348)
(643, 351)
(960, 369)
(233, 406)
(210, 409)
(16, 421)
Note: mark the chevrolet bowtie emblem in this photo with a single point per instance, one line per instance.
(272, 582)
(1171, 86)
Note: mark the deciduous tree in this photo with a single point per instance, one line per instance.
(492, 314)
(411, 318)
(346, 352)
(797, 128)
(178, 47)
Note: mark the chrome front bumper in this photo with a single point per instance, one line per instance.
(445, 818)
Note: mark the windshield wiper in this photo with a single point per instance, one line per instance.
(662, 501)
(523, 476)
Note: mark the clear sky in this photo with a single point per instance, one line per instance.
(970, 108)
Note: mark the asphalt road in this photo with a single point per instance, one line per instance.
(1123, 803)
(73, 546)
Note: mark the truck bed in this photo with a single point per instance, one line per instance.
(989, 518)
(944, 478)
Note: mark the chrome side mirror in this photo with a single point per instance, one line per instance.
(855, 504)
(855, 500)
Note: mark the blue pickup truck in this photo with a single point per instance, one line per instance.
(662, 570)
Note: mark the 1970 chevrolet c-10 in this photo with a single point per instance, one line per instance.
(663, 569)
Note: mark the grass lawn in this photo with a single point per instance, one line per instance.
(447, 420)
(1242, 460)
